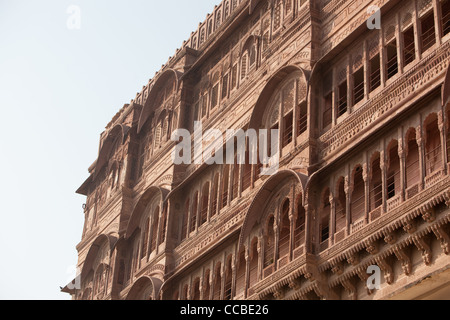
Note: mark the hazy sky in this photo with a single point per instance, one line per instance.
(59, 88)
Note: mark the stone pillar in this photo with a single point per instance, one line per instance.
(332, 219)
(383, 58)
(421, 156)
(442, 131)
(260, 248)
(402, 157)
(437, 21)
(383, 168)
(417, 32)
(276, 232)
(247, 270)
(308, 224)
(365, 176)
(348, 196)
(400, 44)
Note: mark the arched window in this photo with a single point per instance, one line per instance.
(214, 195)
(299, 231)
(285, 230)
(225, 179)
(244, 66)
(155, 229)
(217, 282)
(325, 212)
(277, 15)
(228, 279)
(240, 273)
(184, 227)
(162, 233)
(204, 203)
(433, 155)
(146, 237)
(185, 295)
(215, 91)
(269, 242)
(279, 114)
(357, 205)
(254, 258)
(341, 205)
(193, 223)
(206, 285)
(375, 185)
(393, 170)
(196, 290)
(218, 19)
(412, 160)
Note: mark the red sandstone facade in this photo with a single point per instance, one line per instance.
(364, 161)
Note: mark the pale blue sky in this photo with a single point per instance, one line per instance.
(58, 90)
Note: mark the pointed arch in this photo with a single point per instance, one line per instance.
(254, 213)
(141, 205)
(145, 288)
(170, 76)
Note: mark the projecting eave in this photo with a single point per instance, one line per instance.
(83, 190)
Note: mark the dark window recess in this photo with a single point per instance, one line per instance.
(409, 50)
(302, 119)
(428, 35)
(392, 62)
(287, 134)
(358, 86)
(391, 187)
(445, 8)
(327, 109)
(342, 100)
(375, 75)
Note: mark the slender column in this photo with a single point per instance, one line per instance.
(383, 179)
(400, 44)
(365, 176)
(421, 156)
(233, 277)
(348, 196)
(402, 157)
(383, 59)
(366, 70)
(210, 197)
(247, 270)
(276, 232)
(332, 219)
(295, 115)
(437, 21)
(308, 213)
(349, 84)
(260, 248)
(417, 32)
(441, 125)
(334, 98)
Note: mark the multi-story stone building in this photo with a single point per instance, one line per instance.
(364, 156)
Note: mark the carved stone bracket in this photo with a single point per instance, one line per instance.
(429, 215)
(404, 259)
(443, 237)
(353, 259)
(387, 269)
(390, 238)
(350, 288)
(409, 226)
(294, 284)
(372, 248)
(424, 248)
(338, 269)
(363, 275)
